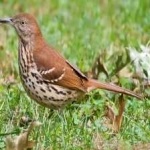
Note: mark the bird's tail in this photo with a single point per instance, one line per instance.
(94, 84)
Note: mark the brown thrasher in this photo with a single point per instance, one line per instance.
(47, 77)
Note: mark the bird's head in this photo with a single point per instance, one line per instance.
(25, 26)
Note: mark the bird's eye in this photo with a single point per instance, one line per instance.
(22, 22)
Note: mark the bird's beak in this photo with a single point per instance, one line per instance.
(6, 20)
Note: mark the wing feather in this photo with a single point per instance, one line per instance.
(64, 73)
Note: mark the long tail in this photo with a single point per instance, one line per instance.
(94, 84)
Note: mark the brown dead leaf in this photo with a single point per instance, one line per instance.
(1, 47)
(9, 80)
(98, 142)
(25, 120)
(97, 68)
(119, 117)
(141, 146)
(21, 141)
(110, 113)
(125, 72)
(115, 119)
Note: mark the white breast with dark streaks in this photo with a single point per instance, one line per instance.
(41, 90)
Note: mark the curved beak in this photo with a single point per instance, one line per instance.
(6, 20)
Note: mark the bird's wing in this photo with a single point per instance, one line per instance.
(54, 68)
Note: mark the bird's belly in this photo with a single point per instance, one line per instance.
(47, 94)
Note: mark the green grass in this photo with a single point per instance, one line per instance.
(80, 30)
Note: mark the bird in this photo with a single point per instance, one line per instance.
(47, 77)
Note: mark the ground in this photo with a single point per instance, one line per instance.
(81, 31)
